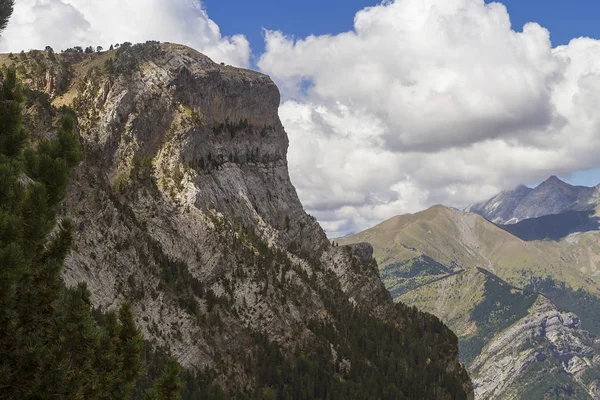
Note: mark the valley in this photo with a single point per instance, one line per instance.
(523, 298)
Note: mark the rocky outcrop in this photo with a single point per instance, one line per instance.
(348, 262)
(543, 336)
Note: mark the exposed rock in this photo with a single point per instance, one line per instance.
(544, 334)
(500, 208)
(552, 196)
(162, 179)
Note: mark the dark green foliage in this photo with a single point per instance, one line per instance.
(12, 133)
(52, 160)
(88, 361)
(6, 9)
(128, 57)
(502, 306)
(76, 49)
(375, 360)
(164, 374)
(402, 277)
(590, 377)
(405, 358)
(177, 280)
(33, 96)
(265, 130)
(584, 304)
(422, 265)
(50, 345)
(168, 385)
(142, 168)
(232, 128)
(129, 344)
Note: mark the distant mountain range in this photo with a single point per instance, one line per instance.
(552, 196)
(519, 284)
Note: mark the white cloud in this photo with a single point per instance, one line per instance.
(66, 23)
(423, 102)
(430, 101)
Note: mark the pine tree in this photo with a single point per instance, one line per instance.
(50, 344)
(108, 363)
(12, 133)
(129, 347)
(6, 9)
(73, 338)
(168, 386)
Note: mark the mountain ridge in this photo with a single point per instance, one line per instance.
(553, 196)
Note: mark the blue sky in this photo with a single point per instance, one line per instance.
(564, 19)
(301, 18)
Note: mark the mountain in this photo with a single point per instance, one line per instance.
(183, 207)
(552, 196)
(526, 312)
(555, 226)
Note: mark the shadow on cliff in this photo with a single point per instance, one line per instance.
(554, 227)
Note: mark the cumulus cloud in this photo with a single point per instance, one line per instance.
(429, 101)
(66, 23)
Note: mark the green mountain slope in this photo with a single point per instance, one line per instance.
(485, 283)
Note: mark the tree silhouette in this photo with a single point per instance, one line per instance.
(6, 10)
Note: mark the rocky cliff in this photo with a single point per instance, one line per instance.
(183, 206)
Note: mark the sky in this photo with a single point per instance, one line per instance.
(564, 19)
(390, 107)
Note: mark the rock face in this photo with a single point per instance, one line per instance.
(500, 208)
(184, 207)
(552, 196)
(544, 336)
(179, 150)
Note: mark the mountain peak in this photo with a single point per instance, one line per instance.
(553, 180)
(520, 189)
(553, 196)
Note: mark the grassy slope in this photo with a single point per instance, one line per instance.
(468, 242)
(465, 240)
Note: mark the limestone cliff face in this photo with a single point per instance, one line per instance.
(183, 206)
(179, 150)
